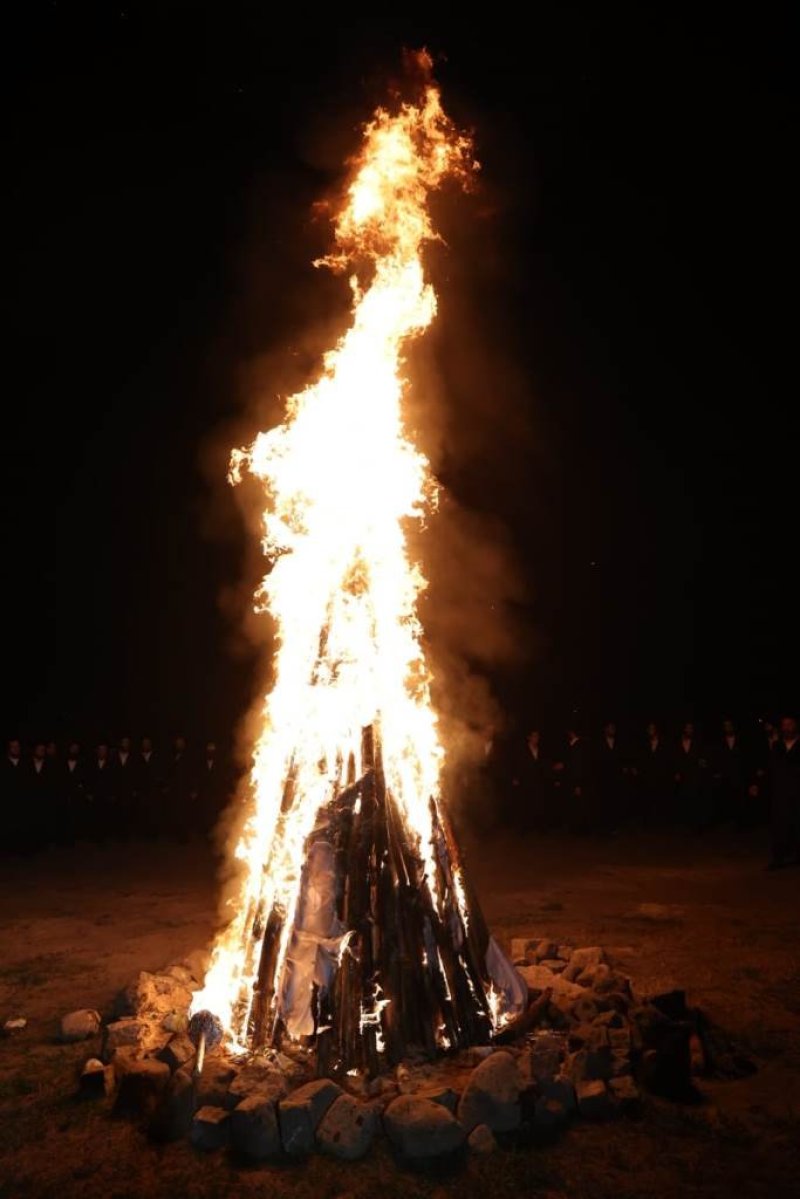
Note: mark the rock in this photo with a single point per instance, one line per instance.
(478, 1053)
(197, 964)
(256, 1078)
(590, 1064)
(160, 995)
(584, 959)
(300, 1113)
(178, 1052)
(556, 965)
(96, 1080)
(611, 1020)
(80, 1025)
(545, 949)
(141, 1084)
(127, 1033)
(215, 1082)
(619, 1039)
(173, 1116)
(544, 1057)
(420, 1130)
(183, 975)
(539, 978)
(14, 1025)
(210, 1128)
(549, 1115)
(492, 1095)
(175, 1022)
(561, 1090)
(254, 1128)
(620, 1062)
(481, 1140)
(584, 1010)
(444, 1095)
(671, 1004)
(564, 952)
(594, 1100)
(347, 1129)
(579, 1036)
(626, 1095)
(521, 947)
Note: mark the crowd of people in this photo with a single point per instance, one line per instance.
(55, 794)
(585, 784)
(601, 783)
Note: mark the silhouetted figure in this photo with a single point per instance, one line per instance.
(532, 778)
(729, 768)
(611, 777)
(654, 771)
(211, 786)
(72, 799)
(102, 818)
(124, 771)
(179, 790)
(40, 797)
(578, 784)
(691, 793)
(784, 769)
(149, 787)
(13, 796)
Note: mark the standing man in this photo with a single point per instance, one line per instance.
(784, 769)
(690, 769)
(610, 766)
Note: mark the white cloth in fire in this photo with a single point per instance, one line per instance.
(317, 941)
(508, 981)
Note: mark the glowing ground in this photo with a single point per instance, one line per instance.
(74, 928)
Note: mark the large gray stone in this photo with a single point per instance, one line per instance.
(80, 1025)
(587, 958)
(549, 1115)
(256, 1078)
(215, 1082)
(254, 1128)
(544, 1057)
(173, 1116)
(142, 1082)
(492, 1095)
(127, 1033)
(211, 1128)
(96, 1080)
(421, 1130)
(347, 1129)
(594, 1100)
(178, 1052)
(300, 1113)
(562, 1091)
(481, 1140)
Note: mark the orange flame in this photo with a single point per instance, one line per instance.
(342, 479)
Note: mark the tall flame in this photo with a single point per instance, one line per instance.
(342, 479)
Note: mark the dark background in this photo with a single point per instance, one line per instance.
(628, 251)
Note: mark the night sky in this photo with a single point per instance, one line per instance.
(625, 408)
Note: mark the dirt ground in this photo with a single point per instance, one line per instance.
(75, 926)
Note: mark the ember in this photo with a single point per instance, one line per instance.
(354, 929)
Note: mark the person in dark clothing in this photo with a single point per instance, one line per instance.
(148, 787)
(531, 776)
(211, 786)
(611, 777)
(40, 797)
(102, 821)
(72, 794)
(578, 784)
(784, 769)
(654, 774)
(690, 768)
(13, 785)
(758, 789)
(180, 790)
(124, 773)
(730, 769)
